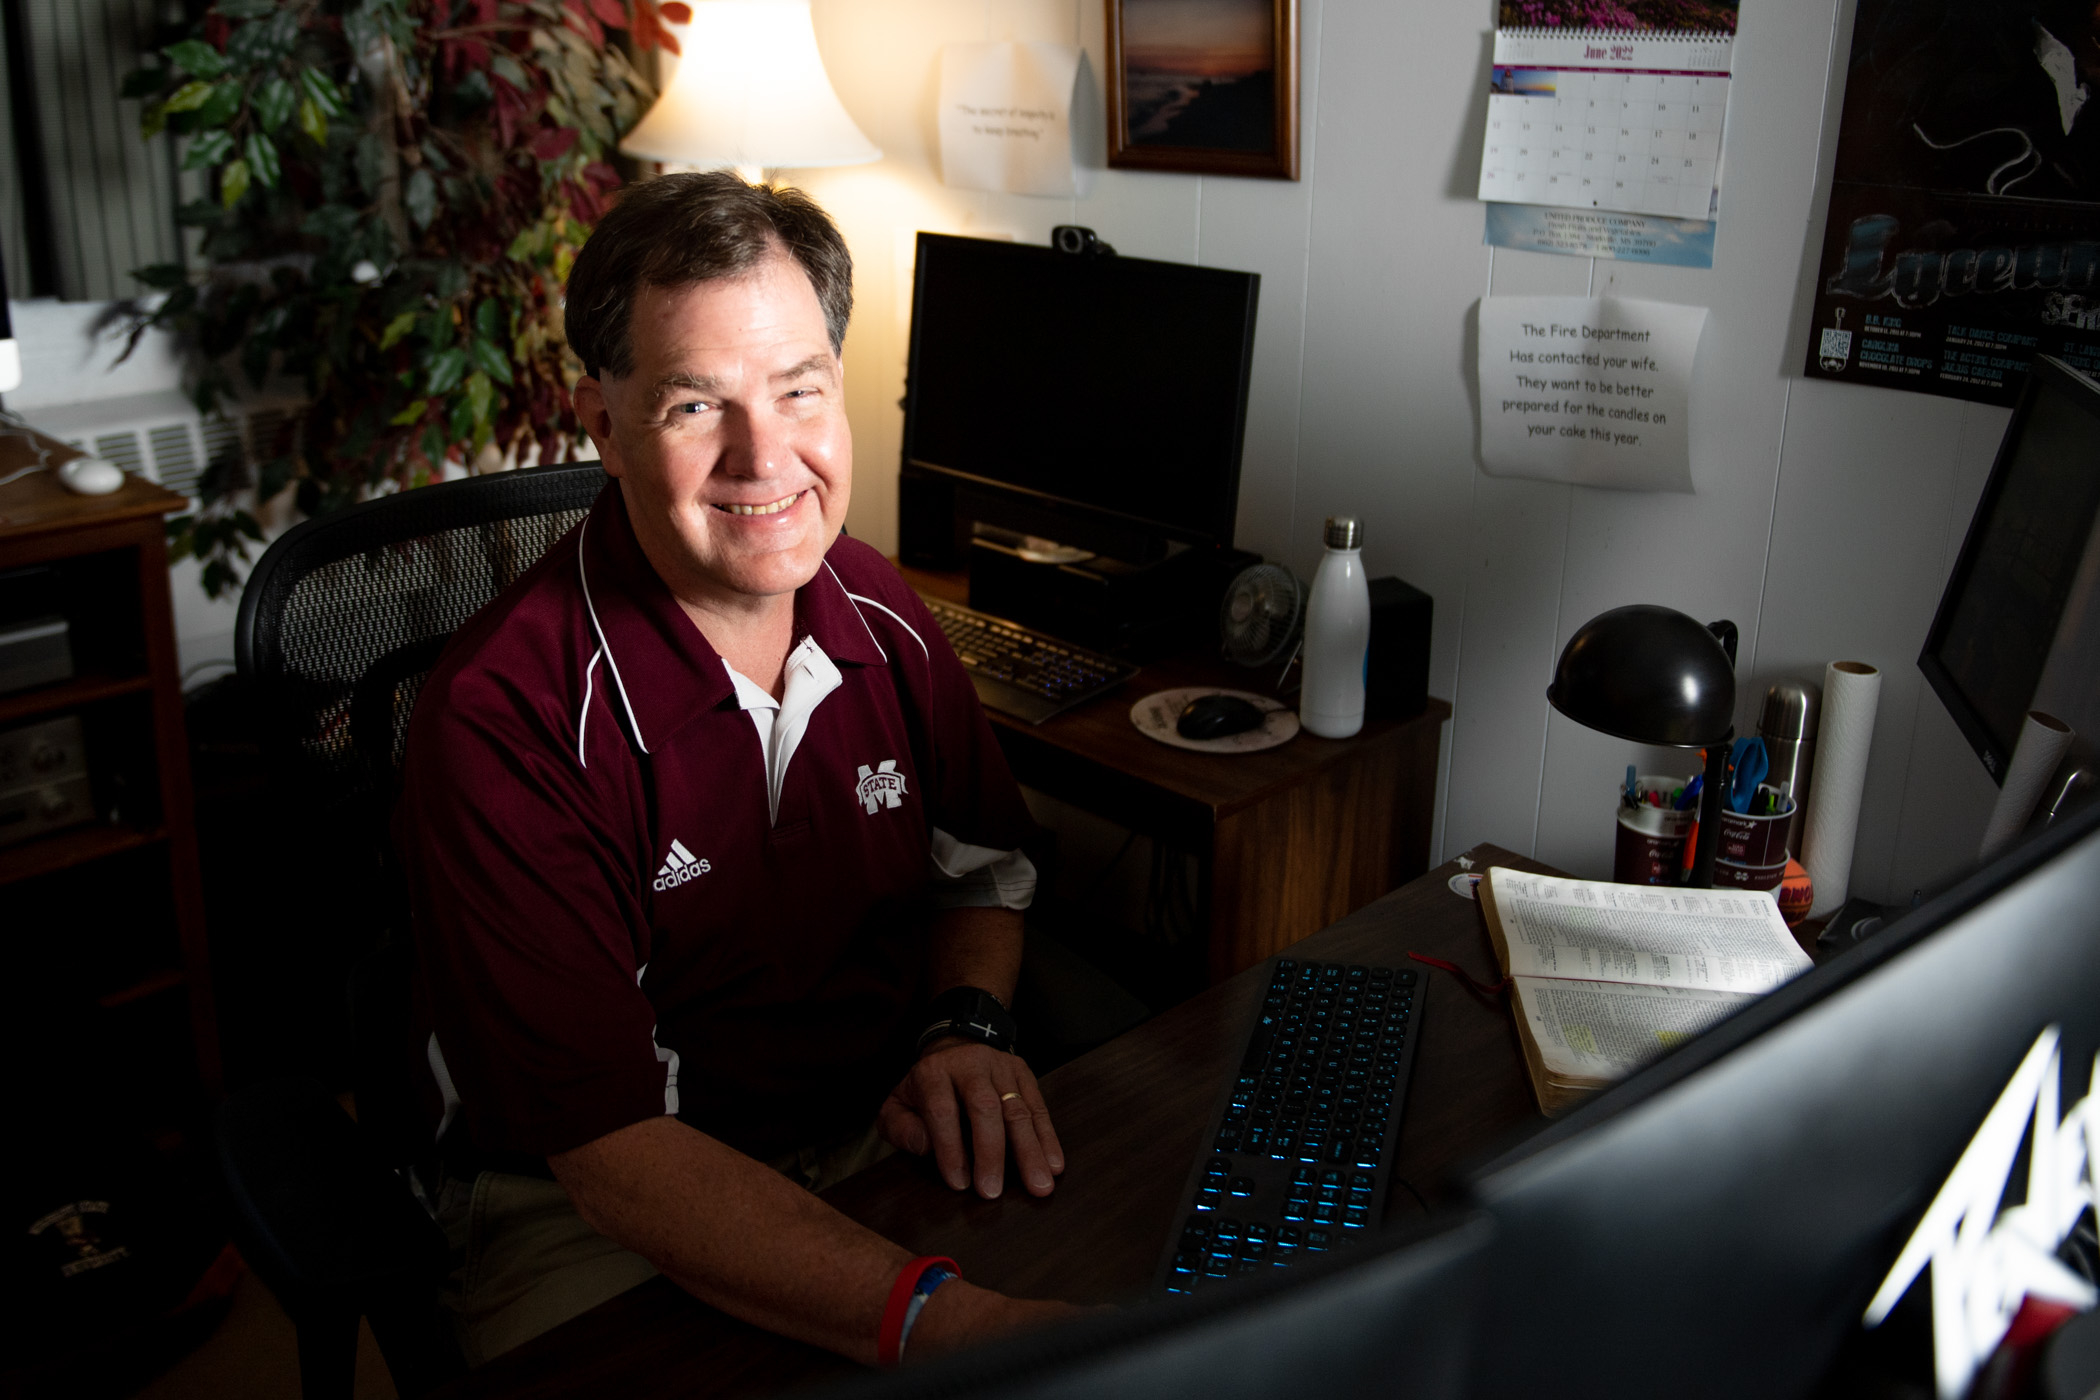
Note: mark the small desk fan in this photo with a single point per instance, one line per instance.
(1262, 615)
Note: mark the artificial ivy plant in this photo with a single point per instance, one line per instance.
(396, 189)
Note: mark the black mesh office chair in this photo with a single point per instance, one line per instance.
(339, 625)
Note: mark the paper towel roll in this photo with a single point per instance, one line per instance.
(1851, 694)
(2043, 740)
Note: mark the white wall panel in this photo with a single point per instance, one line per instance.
(1824, 518)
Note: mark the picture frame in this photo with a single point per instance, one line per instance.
(1204, 90)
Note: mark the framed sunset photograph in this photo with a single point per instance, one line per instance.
(1209, 87)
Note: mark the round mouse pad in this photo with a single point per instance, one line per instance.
(1156, 715)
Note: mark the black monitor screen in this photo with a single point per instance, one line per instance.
(2022, 574)
(1113, 384)
(1718, 1223)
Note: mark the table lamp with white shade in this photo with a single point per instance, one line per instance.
(751, 92)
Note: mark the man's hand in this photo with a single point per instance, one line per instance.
(997, 1091)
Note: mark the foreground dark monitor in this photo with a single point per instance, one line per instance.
(2018, 627)
(1111, 389)
(1392, 1320)
(1717, 1224)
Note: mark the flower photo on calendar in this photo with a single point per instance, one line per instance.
(1669, 16)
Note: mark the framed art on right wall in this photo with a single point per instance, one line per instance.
(1206, 88)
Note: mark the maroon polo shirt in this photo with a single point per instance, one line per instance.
(610, 922)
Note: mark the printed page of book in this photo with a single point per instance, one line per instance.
(1591, 1032)
(1722, 940)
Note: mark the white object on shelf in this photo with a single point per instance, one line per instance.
(1337, 634)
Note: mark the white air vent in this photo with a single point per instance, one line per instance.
(163, 437)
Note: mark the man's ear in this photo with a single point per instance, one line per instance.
(591, 409)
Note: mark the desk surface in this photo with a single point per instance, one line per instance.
(1131, 1115)
(1100, 732)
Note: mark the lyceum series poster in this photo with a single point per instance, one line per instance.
(1964, 229)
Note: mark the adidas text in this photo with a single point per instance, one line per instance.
(679, 866)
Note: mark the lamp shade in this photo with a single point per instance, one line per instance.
(750, 90)
(1648, 674)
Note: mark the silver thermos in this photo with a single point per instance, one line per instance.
(1789, 731)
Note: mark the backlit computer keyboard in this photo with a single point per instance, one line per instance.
(1024, 673)
(1301, 1150)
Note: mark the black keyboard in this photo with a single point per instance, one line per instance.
(1301, 1151)
(1024, 673)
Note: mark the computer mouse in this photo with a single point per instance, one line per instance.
(1215, 716)
(90, 476)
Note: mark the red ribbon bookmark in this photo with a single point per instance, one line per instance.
(1479, 989)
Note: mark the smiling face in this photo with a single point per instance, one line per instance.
(729, 438)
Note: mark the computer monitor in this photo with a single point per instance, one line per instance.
(2018, 627)
(1718, 1223)
(1095, 399)
(1394, 1319)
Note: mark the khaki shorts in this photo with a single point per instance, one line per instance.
(526, 1262)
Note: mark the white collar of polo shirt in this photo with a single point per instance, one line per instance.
(811, 675)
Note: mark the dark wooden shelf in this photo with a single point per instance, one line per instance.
(69, 695)
(62, 850)
(113, 553)
(166, 980)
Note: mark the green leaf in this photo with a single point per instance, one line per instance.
(144, 82)
(481, 397)
(163, 277)
(197, 58)
(261, 152)
(411, 414)
(401, 325)
(420, 197)
(273, 103)
(446, 369)
(266, 41)
(188, 98)
(153, 121)
(511, 71)
(233, 183)
(209, 149)
(488, 319)
(322, 89)
(218, 108)
(491, 360)
(313, 121)
(246, 9)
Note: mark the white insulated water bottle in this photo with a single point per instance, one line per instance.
(1337, 634)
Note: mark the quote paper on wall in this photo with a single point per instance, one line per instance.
(1006, 117)
(1593, 391)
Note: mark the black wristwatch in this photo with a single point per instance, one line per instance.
(970, 1013)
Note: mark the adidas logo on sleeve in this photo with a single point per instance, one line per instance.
(679, 866)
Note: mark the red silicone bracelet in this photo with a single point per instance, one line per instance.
(890, 1339)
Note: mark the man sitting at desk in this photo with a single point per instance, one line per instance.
(711, 851)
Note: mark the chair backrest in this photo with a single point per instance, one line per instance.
(340, 623)
(345, 614)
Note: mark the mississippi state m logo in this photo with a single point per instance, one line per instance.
(880, 786)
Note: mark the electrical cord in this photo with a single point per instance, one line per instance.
(12, 426)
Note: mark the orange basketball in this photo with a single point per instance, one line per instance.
(1795, 894)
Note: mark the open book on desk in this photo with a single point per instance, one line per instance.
(1607, 977)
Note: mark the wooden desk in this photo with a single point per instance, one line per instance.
(1132, 1116)
(1288, 840)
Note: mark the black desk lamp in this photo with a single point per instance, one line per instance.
(1655, 676)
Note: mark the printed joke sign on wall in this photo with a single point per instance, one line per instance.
(1594, 392)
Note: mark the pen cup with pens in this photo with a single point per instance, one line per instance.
(1752, 854)
(1653, 830)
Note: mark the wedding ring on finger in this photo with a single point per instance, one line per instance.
(1010, 1094)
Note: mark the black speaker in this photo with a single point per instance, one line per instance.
(930, 534)
(1396, 671)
